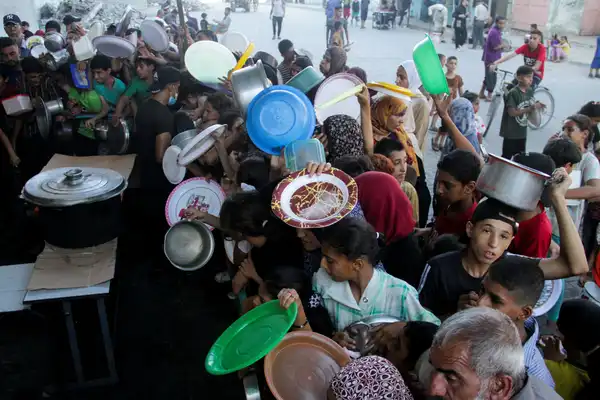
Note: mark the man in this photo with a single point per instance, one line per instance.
(439, 15)
(286, 49)
(52, 26)
(480, 18)
(477, 354)
(154, 129)
(534, 56)
(105, 84)
(513, 286)
(25, 29)
(450, 276)
(10, 55)
(223, 26)
(492, 52)
(69, 21)
(277, 14)
(138, 89)
(12, 27)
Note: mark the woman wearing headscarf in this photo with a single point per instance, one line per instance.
(334, 61)
(344, 137)
(387, 208)
(387, 117)
(370, 377)
(417, 117)
(463, 115)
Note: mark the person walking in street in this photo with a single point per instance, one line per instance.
(330, 10)
(460, 16)
(364, 10)
(492, 52)
(277, 14)
(479, 20)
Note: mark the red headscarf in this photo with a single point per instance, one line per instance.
(385, 205)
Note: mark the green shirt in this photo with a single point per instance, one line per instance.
(111, 95)
(516, 127)
(138, 89)
(90, 101)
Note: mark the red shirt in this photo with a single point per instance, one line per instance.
(455, 224)
(531, 57)
(533, 237)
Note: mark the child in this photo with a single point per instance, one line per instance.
(560, 49)
(518, 103)
(337, 36)
(455, 189)
(105, 84)
(479, 123)
(455, 81)
(347, 5)
(203, 22)
(355, 12)
(442, 58)
(596, 61)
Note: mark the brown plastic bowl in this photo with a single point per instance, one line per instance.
(302, 366)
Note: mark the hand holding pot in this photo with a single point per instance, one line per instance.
(559, 183)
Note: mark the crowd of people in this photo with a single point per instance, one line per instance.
(464, 283)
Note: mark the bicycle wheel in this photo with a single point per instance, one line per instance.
(543, 95)
(492, 111)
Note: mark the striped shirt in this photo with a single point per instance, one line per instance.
(384, 295)
(534, 362)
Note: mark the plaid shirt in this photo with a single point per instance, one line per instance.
(534, 362)
(384, 295)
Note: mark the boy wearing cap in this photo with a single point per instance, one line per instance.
(454, 279)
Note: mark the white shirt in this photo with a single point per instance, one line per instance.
(481, 12)
(278, 8)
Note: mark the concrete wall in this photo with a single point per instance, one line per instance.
(590, 23)
(527, 12)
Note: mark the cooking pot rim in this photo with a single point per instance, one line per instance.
(520, 166)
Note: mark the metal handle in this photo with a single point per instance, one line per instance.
(74, 176)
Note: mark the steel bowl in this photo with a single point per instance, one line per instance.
(189, 245)
(101, 132)
(182, 139)
(361, 331)
(247, 82)
(54, 41)
(54, 107)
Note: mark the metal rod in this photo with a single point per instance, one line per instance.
(183, 44)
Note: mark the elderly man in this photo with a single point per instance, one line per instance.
(477, 354)
(12, 27)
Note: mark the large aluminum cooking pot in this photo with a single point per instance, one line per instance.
(511, 183)
(78, 207)
(247, 82)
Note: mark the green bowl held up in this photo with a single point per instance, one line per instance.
(429, 67)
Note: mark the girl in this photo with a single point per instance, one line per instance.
(463, 115)
(334, 61)
(417, 117)
(596, 61)
(351, 288)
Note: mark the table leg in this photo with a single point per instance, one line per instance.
(73, 344)
(107, 341)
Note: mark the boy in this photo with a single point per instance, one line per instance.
(455, 189)
(512, 286)
(451, 281)
(138, 89)
(337, 36)
(286, 49)
(455, 81)
(535, 229)
(106, 85)
(355, 12)
(203, 22)
(518, 103)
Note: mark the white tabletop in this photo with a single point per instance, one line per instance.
(14, 293)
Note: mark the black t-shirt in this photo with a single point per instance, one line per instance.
(444, 281)
(152, 119)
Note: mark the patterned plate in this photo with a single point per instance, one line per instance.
(549, 297)
(308, 202)
(204, 194)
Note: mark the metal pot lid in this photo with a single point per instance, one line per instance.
(70, 186)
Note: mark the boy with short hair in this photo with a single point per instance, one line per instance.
(513, 286)
(455, 81)
(455, 189)
(105, 84)
(518, 103)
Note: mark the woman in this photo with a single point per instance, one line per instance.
(371, 377)
(389, 211)
(350, 287)
(417, 117)
(344, 137)
(334, 61)
(460, 16)
(387, 118)
(463, 115)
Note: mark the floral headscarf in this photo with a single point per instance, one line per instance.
(370, 377)
(338, 58)
(344, 136)
(463, 115)
(381, 110)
